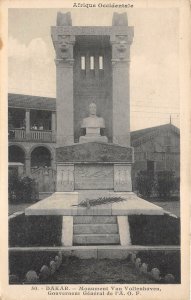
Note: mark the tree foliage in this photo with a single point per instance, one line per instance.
(22, 189)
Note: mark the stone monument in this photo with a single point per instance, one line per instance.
(93, 63)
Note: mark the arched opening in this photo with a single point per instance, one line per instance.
(16, 154)
(40, 157)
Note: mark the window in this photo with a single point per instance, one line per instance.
(91, 62)
(83, 63)
(100, 62)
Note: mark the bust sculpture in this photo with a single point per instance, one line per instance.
(92, 125)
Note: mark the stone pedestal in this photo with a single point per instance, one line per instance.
(92, 166)
(93, 138)
(65, 178)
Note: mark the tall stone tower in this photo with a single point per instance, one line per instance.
(92, 69)
(92, 65)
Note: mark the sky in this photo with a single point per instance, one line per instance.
(154, 67)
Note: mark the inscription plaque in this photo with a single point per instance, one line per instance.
(93, 177)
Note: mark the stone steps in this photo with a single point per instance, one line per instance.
(95, 219)
(95, 230)
(96, 239)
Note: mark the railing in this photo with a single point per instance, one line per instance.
(17, 134)
(41, 135)
(33, 135)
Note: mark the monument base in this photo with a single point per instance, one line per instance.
(94, 166)
(103, 224)
(66, 204)
(86, 139)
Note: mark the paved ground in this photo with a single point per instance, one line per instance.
(17, 207)
(77, 271)
(21, 206)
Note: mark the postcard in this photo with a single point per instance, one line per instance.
(95, 149)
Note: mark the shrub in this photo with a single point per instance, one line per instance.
(162, 184)
(166, 261)
(166, 183)
(22, 189)
(21, 262)
(154, 230)
(145, 182)
(35, 231)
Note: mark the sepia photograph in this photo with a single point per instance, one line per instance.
(94, 150)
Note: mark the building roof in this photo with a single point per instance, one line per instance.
(138, 133)
(143, 135)
(32, 102)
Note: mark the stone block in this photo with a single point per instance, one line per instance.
(155, 273)
(67, 231)
(64, 203)
(44, 272)
(87, 139)
(64, 103)
(60, 255)
(121, 100)
(52, 267)
(13, 278)
(95, 228)
(94, 152)
(65, 178)
(92, 211)
(137, 263)
(31, 277)
(66, 253)
(94, 219)
(113, 253)
(133, 257)
(58, 262)
(124, 231)
(84, 253)
(143, 268)
(169, 278)
(93, 176)
(64, 19)
(122, 178)
(96, 239)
